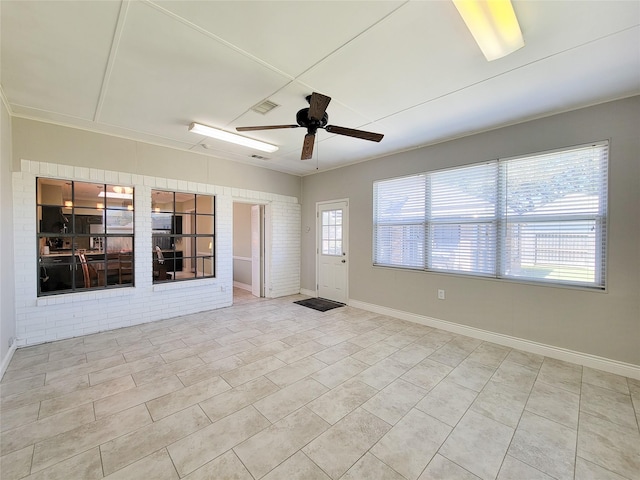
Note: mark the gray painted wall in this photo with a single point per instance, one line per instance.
(242, 242)
(605, 324)
(44, 142)
(7, 288)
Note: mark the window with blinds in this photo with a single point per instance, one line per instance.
(538, 218)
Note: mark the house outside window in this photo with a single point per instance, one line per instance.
(539, 218)
(183, 236)
(85, 236)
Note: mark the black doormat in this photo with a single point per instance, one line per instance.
(320, 304)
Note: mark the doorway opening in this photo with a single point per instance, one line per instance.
(249, 250)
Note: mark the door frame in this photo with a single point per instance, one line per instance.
(318, 240)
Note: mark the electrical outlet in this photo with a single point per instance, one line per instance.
(440, 294)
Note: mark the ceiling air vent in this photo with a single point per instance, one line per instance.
(264, 107)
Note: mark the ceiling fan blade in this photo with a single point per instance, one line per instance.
(267, 127)
(318, 105)
(351, 132)
(307, 146)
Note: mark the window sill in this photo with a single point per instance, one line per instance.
(78, 297)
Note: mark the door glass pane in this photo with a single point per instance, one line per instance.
(332, 232)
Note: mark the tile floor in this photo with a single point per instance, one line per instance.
(269, 389)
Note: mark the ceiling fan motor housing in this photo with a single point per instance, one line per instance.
(312, 124)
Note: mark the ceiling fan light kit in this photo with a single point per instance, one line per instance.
(312, 119)
(231, 137)
(493, 24)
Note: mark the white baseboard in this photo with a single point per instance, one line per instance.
(243, 286)
(7, 359)
(309, 293)
(585, 359)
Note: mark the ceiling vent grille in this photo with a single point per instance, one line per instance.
(264, 107)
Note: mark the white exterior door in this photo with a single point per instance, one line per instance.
(333, 250)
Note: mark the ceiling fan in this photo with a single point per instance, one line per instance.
(313, 118)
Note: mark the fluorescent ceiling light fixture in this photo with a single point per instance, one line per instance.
(493, 24)
(122, 196)
(231, 137)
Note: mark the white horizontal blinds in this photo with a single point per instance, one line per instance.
(399, 222)
(462, 223)
(555, 208)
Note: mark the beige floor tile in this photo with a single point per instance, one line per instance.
(122, 451)
(471, 374)
(608, 404)
(85, 465)
(337, 449)
(45, 392)
(374, 353)
(86, 395)
(84, 368)
(226, 466)
(135, 396)
(605, 380)
(339, 372)
(70, 360)
(181, 365)
(289, 399)
(427, 374)
(382, 373)
(209, 370)
(369, 338)
(20, 386)
(514, 469)
(394, 401)
(501, 403)
(262, 351)
(31, 433)
(478, 444)
(489, 354)
(157, 373)
(157, 466)
(555, 404)
(131, 354)
(441, 468)
(515, 376)
(300, 351)
(525, 358)
(337, 352)
(54, 449)
(185, 397)
(295, 371)
(450, 355)
(342, 400)
(26, 362)
(18, 416)
(371, 468)
(237, 398)
(590, 471)
(411, 444)
(297, 467)
(611, 446)
(270, 447)
(201, 447)
(125, 369)
(16, 464)
(447, 402)
(561, 374)
(252, 371)
(545, 445)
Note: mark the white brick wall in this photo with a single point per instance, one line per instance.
(63, 316)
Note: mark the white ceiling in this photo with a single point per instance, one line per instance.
(408, 69)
